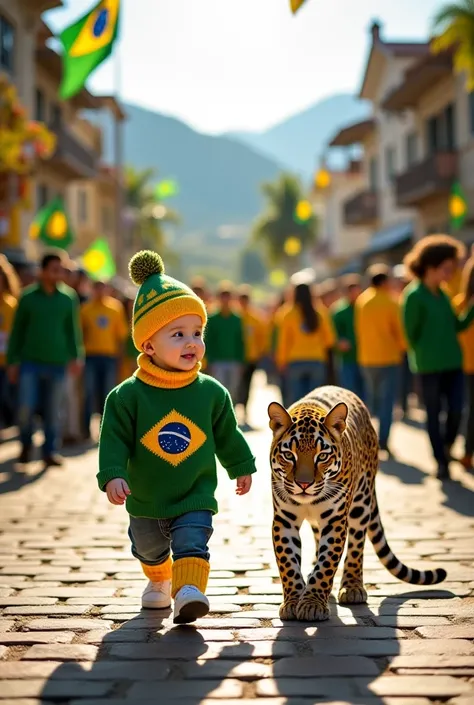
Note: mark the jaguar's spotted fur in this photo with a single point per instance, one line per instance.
(324, 459)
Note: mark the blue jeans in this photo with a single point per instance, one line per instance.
(100, 379)
(40, 384)
(350, 377)
(303, 378)
(187, 536)
(381, 385)
(7, 400)
(443, 390)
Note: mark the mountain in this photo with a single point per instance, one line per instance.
(218, 177)
(299, 141)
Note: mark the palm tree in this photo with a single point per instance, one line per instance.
(455, 21)
(277, 224)
(145, 214)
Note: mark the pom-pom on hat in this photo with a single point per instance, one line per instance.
(160, 299)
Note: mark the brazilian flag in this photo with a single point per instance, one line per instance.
(296, 4)
(51, 225)
(98, 260)
(457, 207)
(87, 43)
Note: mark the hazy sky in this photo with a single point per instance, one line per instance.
(244, 64)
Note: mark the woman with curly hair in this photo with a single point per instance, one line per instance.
(461, 304)
(432, 327)
(9, 292)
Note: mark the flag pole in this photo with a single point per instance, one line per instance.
(118, 155)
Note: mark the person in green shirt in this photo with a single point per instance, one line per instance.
(161, 431)
(432, 328)
(45, 343)
(225, 342)
(342, 312)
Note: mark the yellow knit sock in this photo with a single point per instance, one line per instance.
(158, 573)
(190, 571)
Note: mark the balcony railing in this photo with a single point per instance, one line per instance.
(74, 157)
(362, 209)
(431, 177)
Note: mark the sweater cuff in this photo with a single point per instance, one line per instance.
(245, 468)
(104, 476)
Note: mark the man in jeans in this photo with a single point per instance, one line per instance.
(225, 342)
(380, 346)
(350, 375)
(45, 341)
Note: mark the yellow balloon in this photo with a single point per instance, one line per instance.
(278, 277)
(304, 210)
(94, 261)
(292, 246)
(322, 179)
(57, 226)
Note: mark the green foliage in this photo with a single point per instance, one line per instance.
(252, 266)
(277, 223)
(148, 216)
(456, 23)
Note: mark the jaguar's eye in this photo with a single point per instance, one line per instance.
(288, 455)
(323, 457)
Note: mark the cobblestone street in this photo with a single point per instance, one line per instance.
(71, 629)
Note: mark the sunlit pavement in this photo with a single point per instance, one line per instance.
(71, 628)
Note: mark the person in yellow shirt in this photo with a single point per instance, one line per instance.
(9, 292)
(462, 304)
(255, 344)
(105, 329)
(380, 346)
(305, 335)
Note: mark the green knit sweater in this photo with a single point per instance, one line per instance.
(46, 327)
(163, 442)
(432, 327)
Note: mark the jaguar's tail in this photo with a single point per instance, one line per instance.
(391, 562)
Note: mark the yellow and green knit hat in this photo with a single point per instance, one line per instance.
(160, 299)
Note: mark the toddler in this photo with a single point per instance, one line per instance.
(161, 431)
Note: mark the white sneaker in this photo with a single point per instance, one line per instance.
(157, 596)
(189, 605)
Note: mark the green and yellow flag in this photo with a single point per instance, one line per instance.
(303, 212)
(51, 225)
(457, 207)
(87, 43)
(166, 189)
(98, 260)
(296, 4)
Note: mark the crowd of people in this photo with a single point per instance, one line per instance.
(389, 336)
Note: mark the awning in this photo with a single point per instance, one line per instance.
(354, 266)
(353, 134)
(390, 237)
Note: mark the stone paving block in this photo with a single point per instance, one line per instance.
(63, 592)
(410, 621)
(389, 647)
(325, 688)
(14, 670)
(114, 637)
(6, 624)
(302, 632)
(73, 624)
(64, 652)
(54, 689)
(3, 651)
(196, 690)
(433, 687)
(207, 623)
(71, 577)
(217, 668)
(53, 610)
(324, 666)
(17, 600)
(15, 638)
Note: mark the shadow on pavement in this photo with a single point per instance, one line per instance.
(458, 497)
(408, 474)
(12, 478)
(328, 662)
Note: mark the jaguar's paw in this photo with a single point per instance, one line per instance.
(288, 610)
(352, 595)
(312, 609)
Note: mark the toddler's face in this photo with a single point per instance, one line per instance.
(179, 345)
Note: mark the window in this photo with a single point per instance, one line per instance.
(106, 220)
(390, 164)
(373, 174)
(56, 116)
(449, 128)
(7, 44)
(41, 195)
(411, 147)
(441, 131)
(40, 112)
(82, 206)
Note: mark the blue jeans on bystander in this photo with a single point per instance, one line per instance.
(100, 378)
(303, 377)
(350, 377)
(381, 387)
(41, 385)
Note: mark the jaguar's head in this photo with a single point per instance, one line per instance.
(306, 453)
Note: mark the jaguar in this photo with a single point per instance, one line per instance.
(324, 459)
